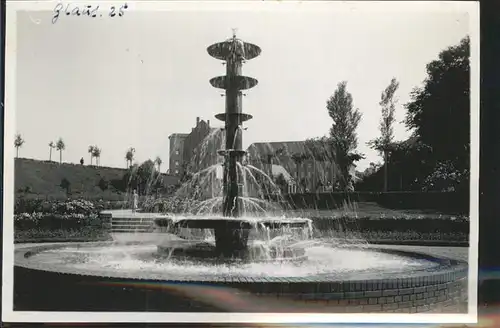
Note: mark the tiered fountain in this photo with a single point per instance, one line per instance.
(231, 230)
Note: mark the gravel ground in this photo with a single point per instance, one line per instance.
(458, 253)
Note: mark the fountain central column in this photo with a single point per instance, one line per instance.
(231, 235)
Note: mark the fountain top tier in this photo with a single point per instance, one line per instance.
(233, 46)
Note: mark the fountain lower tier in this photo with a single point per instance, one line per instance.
(232, 223)
(231, 237)
(207, 252)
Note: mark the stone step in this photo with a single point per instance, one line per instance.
(132, 223)
(132, 230)
(127, 226)
(133, 220)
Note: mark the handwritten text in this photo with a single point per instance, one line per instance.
(87, 11)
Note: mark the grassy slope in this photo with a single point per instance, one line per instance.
(44, 179)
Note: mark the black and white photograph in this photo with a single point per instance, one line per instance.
(241, 161)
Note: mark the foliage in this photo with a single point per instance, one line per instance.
(44, 214)
(343, 136)
(145, 178)
(66, 185)
(103, 184)
(173, 204)
(80, 233)
(436, 156)
(76, 206)
(320, 149)
(446, 177)
(439, 112)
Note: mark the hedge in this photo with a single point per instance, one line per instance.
(446, 202)
(423, 225)
(55, 221)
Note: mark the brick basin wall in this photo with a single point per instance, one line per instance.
(444, 292)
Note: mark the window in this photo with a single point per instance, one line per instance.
(177, 152)
(176, 163)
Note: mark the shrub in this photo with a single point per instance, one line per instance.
(172, 204)
(103, 184)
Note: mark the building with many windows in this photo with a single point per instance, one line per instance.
(176, 158)
(196, 150)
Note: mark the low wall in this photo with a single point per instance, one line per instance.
(407, 295)
(447, 202)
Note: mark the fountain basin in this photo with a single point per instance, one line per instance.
(419, 283)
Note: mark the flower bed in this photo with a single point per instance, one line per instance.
(82, 234)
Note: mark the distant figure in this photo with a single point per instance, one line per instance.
(135, 201)
(82, 161)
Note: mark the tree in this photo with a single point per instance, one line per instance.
(144, 177)
(281, 183)
(388, 107)
(103, 184)
(60, 146)
(52, 145)
(343, 134)
(158, 162)
(322, 150)
(439, 111)
(91, 152)
(66, 185)
(298, 159)
(97, 154)
(18, 143)
(129, 156)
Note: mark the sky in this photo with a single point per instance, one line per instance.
(133, 81)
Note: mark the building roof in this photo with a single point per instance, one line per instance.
(290, 147)
(178, 135)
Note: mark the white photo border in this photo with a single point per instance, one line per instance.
(9, 315)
